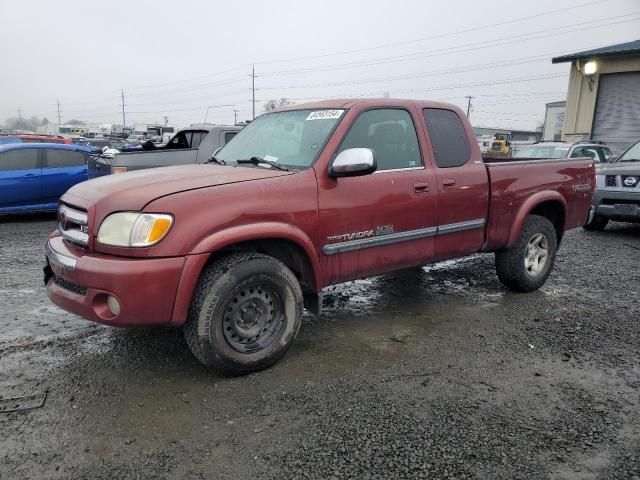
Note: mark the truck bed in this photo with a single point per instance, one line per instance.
(512, 183)
(100, 165)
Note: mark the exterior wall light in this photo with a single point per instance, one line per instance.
(590, 68)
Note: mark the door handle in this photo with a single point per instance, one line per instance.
(448, 182)
(420, 187)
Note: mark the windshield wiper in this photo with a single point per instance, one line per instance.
(258, 161)
(215, 160)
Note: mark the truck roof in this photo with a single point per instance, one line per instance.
(55, 146)
(366, 102)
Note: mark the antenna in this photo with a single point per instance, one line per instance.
(253, 91)
(59, 121)
(124, 122)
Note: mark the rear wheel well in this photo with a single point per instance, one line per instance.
(288, 252)
(554, 212)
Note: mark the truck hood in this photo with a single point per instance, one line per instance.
(623, 168)
(133, 190)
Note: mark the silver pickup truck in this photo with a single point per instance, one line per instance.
(191, 145)
(617, 196)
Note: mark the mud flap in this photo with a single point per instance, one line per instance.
(313, 303)
(48, 273)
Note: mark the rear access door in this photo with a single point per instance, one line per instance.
(463, 184)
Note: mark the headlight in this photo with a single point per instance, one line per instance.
(133, 229)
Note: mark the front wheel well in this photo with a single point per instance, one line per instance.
(554, 212)
(287, 251)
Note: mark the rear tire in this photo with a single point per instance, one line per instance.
(245, 313)
(597, 224)
(527, 265)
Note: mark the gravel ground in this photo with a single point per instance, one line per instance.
(435, 373)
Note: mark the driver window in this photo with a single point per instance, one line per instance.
(391, 135)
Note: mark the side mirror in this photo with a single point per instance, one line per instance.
(353, 162)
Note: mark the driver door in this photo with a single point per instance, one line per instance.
(385, 220)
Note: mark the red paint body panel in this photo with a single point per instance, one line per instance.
(217, 207)
(145, 288)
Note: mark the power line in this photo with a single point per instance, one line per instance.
(433, 37)
(509, 40)
(443, 87)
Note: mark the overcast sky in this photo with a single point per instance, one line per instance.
(177, 58)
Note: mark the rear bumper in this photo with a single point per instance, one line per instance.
(623, 206)
(145, 289)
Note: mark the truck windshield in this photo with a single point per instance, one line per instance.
(631, 155)
(293, 138)
(542, 152)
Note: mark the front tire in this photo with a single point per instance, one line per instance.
(597, 224)
(527, 265)
(245, 313)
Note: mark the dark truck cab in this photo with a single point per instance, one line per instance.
(304, 197)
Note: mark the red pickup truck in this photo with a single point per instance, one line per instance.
(302, 198)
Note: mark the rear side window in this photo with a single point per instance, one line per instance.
(64, 158)
(391, 135)
(448, 137)
(19, 159)
(606, 153)
(228, 136)
(197, 138)
(589, 152)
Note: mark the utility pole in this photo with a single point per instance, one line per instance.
(253, 91)
(166, 121)
(469, 98)
(59, 117)
(235, 116)
(19, 114)
(124, 122)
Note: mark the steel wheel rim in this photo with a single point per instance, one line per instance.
(253, 317)
(536, 255)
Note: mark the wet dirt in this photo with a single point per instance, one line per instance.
(434, 372)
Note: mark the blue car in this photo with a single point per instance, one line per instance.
(33, 176)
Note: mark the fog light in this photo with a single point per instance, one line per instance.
(114, 305)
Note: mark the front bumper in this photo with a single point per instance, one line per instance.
(622, 206)
(81, 283)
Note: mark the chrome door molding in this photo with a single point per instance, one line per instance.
(391, 238)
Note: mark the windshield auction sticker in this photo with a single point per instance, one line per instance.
(324, 115)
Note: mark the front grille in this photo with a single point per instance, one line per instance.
(619, 201)
(73, 225)
(611, 181)
(629, 181)
(67, 285)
